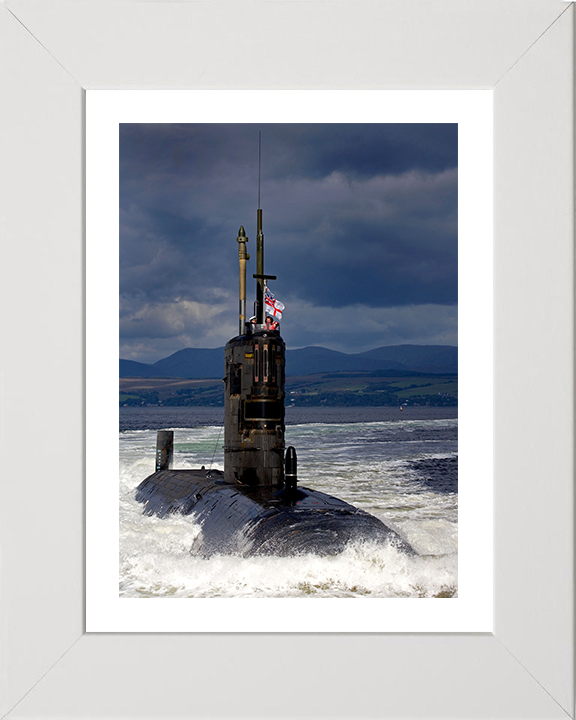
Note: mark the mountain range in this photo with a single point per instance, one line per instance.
(209, 363)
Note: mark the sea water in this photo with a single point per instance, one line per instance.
(401, 466)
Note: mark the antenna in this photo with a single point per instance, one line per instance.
(259, 163)
(260, 277)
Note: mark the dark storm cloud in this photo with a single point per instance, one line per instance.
(402, 278)
(350, 246)
(362, 151)
(300, 150)
(353, 215)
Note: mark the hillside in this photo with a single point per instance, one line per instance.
(187, 363)
(209, 363)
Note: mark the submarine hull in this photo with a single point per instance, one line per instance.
(260, 521)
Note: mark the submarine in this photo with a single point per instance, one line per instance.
(256, 506)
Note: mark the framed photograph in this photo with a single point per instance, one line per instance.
(519, 660)
(122, 126)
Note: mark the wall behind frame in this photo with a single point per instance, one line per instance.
(534, 358)
(42, 361)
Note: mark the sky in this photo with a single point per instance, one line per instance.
(360, 227)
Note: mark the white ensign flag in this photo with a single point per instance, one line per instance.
(273, 307)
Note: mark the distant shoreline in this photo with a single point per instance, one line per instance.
(359, 389)
(161, 418)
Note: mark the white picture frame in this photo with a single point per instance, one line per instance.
(52, 51)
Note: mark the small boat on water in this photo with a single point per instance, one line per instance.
(255, 506)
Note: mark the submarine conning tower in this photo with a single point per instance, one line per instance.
(254, 394)
(256, 507)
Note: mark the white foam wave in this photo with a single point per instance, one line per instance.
(165, 569)
(155, 559)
